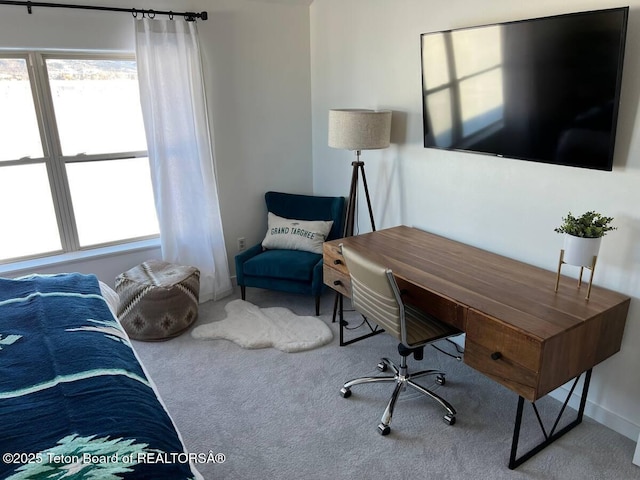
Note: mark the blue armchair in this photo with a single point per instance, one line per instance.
(292, 271)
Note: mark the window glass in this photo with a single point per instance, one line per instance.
(27, 216)
(51, 201)
(112, 200)
(97, 105)
(19, 132)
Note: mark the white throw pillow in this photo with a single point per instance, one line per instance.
(291, 234)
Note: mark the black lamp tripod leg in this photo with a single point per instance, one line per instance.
(351, 205)
(366, 193)
(338, 307)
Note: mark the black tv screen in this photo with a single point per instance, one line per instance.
(544, 89)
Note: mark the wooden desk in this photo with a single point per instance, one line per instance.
(519, 332)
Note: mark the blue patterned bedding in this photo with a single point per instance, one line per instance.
(74, 401)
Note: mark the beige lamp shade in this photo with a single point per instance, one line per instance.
(352, 129)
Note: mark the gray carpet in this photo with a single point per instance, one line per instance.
(277, 415)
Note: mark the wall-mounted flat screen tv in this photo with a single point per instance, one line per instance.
(545, 89)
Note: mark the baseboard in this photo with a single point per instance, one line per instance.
(604, 417)
(599, 414)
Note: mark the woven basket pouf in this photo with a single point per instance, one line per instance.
(158, 300)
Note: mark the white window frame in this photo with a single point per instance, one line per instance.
(54, 159)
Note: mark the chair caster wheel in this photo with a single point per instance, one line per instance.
(384, 429)
(440, 380)
(382, 367)
(449, 419)
(345, 392)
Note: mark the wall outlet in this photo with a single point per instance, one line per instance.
(241, 244)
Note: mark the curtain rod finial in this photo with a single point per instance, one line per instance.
(204, 15)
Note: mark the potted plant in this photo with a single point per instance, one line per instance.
(583, 235)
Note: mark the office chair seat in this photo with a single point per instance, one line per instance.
(375, 294)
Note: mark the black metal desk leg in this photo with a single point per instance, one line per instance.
(335, 307)
(341, 318)
(516, 433)
(552, 436)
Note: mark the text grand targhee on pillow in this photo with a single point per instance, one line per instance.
(294, 231)
(294, 234)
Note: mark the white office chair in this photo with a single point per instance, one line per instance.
(375, 294)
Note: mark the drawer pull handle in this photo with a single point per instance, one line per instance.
(496, 356)
(337, 262)
(337, 282)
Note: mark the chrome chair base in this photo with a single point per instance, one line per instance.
(402, 378)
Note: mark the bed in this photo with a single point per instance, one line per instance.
(75, 402)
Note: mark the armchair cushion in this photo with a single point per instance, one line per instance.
(293, 234)
(289, 264)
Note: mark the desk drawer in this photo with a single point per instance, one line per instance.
(503, 353)
(339, 281)
(334, 259)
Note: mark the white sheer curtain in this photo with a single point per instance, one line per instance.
(180, 150)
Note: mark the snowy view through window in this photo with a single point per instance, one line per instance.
(89, 164)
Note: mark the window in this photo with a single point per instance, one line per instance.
(468, 94)
(74, 172)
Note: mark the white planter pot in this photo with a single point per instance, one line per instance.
(580, 251)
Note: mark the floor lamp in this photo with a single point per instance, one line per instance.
(357, 130)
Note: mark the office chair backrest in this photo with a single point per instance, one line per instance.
(375, 293)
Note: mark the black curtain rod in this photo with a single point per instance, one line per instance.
(188, 16)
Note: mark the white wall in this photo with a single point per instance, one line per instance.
(256, 59)
(366, 54)
(258, 56)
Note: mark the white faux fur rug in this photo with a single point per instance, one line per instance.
(253, 327)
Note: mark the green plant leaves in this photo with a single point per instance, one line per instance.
(589, 225)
